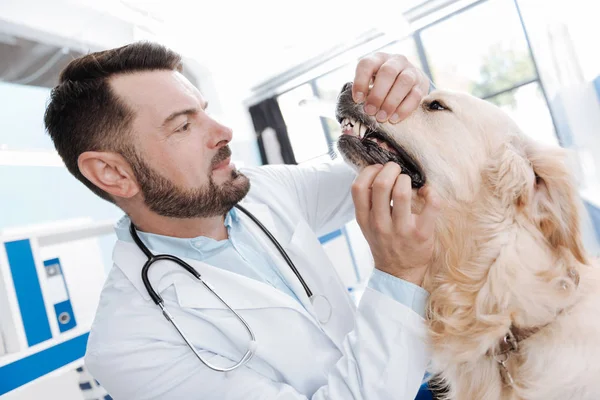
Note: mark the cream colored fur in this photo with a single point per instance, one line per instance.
(505, 243)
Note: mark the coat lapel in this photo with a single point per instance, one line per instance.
(262, 213)
(315, 268)
(323, 279)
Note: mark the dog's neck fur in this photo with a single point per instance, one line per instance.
(471, 309)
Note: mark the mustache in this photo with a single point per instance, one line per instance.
(223, 153)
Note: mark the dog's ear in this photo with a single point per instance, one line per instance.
(536, 179)
(510, 175)
(555, 201)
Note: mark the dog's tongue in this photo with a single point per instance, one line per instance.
(347, 130)
(377, 154)
(383, 144)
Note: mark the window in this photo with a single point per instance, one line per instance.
(527, 107)
(304, 127)
(328, 88)
(407, 48)
(483, 50)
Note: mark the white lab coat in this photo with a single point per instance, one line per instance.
(377, 351)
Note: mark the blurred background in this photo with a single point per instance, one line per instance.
(272, 71)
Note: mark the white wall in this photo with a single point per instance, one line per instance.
(38, 194)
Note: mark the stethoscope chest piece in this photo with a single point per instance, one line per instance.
(322, 308)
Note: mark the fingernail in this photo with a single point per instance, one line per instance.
(381, 116)
(359, 97)
(379, 166)
(370, 109)
(394, 118)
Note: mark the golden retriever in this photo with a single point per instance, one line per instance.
(514, 311)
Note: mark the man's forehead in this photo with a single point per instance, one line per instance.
(156, 92)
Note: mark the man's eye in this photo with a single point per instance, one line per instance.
(185, 127)
(436, 106)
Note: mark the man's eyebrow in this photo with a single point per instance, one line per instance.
(188, 111)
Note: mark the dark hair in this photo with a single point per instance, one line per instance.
(84, 114)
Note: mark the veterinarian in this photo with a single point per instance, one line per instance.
(272, 320)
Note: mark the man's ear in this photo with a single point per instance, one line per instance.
(556, 202)
(110, 172)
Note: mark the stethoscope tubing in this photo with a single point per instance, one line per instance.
(152, 258)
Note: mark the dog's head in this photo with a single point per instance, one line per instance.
(509, 231)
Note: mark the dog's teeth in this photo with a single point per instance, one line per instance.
(355, 130)
(346, 122)
(362, 130)
(348, 126)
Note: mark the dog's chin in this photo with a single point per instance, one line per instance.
(353, 153)
(361, 154)
(377, 148)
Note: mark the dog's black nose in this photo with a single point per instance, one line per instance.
(347, 86)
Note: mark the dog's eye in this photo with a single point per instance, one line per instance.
(436, 106)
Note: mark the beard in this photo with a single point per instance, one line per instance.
(167, 199)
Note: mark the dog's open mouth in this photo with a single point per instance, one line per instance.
(363, 144)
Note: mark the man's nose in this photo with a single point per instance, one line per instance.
(221, 135)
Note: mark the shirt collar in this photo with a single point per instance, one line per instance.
(232, 215)
(197, 248)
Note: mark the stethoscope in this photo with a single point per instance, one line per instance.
(159, 301)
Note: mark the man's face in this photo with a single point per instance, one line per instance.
(179, 153)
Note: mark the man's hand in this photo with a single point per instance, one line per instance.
(401, 242)
(397, 90)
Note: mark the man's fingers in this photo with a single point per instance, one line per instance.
(402, 196)
(404, 84)
(388, 74)
(410, 104)
(366, 68)
(425, 222)
(361, 191)
(383, 185)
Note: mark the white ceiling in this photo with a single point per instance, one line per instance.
(265, 36)
(258, 39)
